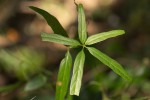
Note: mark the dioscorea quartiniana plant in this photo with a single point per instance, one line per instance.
(85, 42)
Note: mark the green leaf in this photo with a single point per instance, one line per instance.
(59, 39)
(51, 20)
(103, 36)
(77, 74)
(36, 82)
(114, 65)
(63, 77)
(81, 24)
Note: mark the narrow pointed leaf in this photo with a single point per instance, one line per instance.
(77, 74)
(59, 39)
(63, 77)
(81, 24)
(114, 65)
(51, 20)
(103, 36)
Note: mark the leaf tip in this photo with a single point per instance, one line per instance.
(74, 93)
(122, 31)
(130, 79)
(31, 7)
(42, 34)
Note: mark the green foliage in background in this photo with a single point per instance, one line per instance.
(84, 42)
(23, 62)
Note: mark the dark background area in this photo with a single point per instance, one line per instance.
(29, 67)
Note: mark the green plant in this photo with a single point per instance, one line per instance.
(84, 42)
(19, 62)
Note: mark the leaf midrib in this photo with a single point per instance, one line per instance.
(112, 65)
(102, 37)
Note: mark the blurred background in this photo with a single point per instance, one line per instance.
(29, 67)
